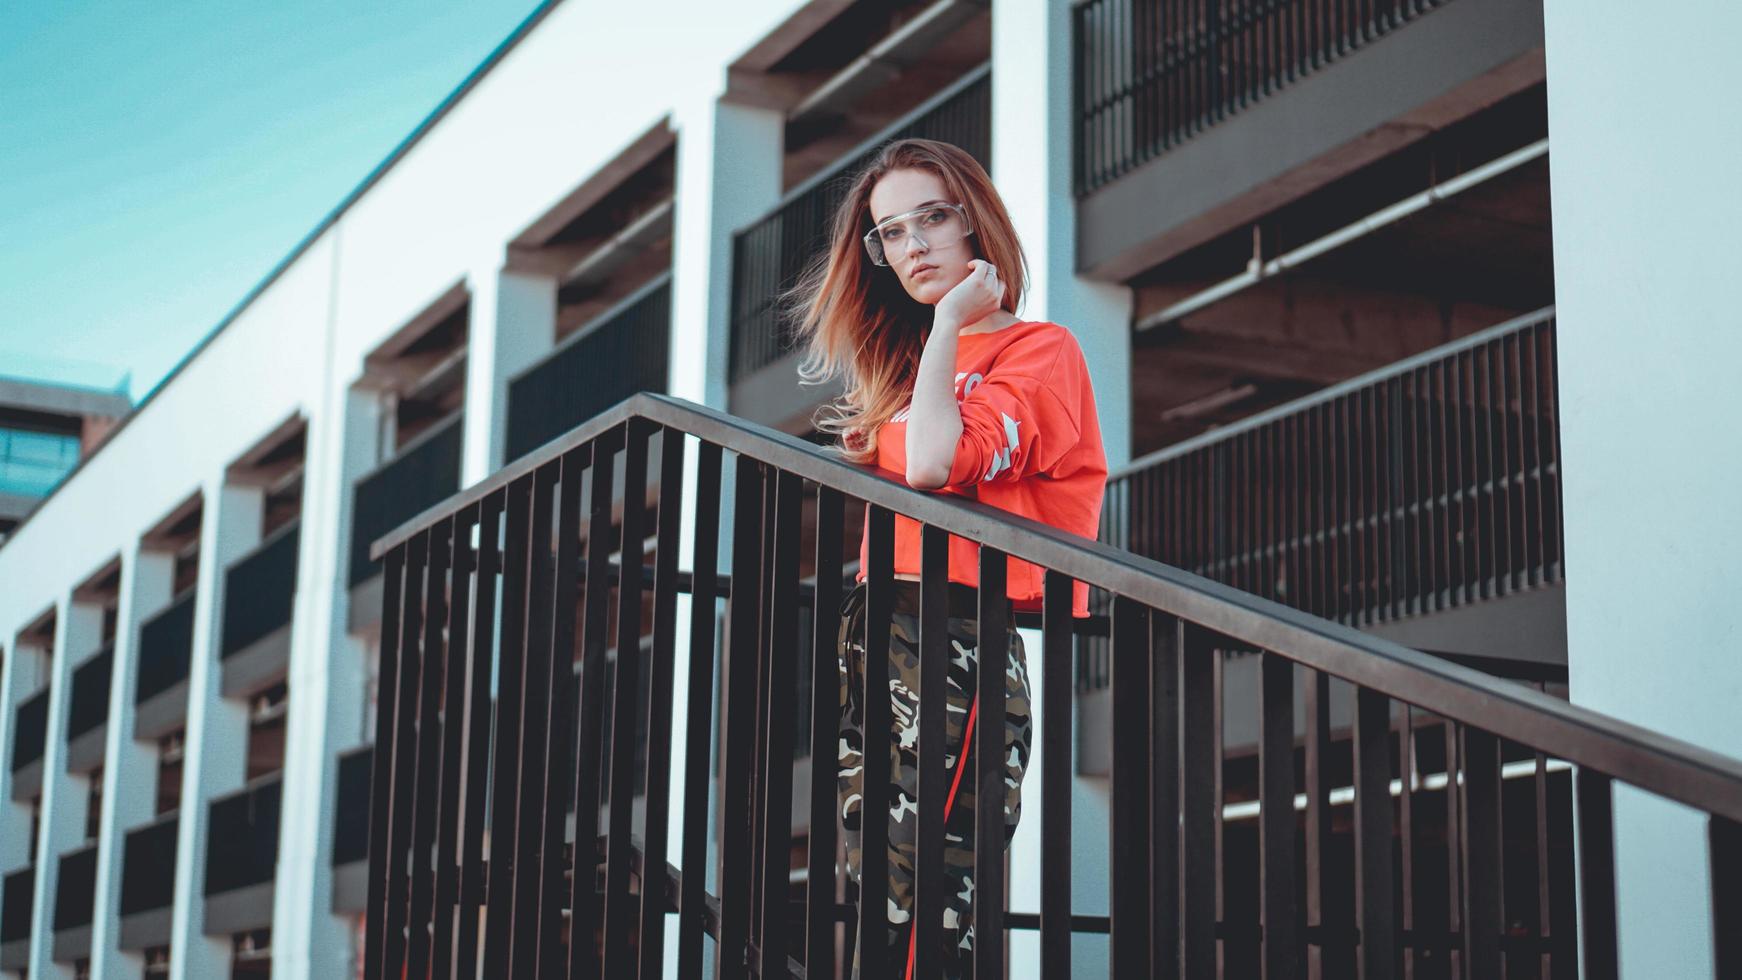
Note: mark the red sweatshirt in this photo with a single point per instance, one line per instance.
(1031, 445)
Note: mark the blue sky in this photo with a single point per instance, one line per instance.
(158, 159)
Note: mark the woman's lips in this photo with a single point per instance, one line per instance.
(922, 270)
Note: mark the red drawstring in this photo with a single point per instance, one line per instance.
(949, 804)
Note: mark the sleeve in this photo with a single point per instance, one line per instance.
(1015, 424)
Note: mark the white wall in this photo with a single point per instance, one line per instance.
(1647, 140)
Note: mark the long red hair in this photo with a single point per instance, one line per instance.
(854, 319)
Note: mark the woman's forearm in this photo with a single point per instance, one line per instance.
(934, 422)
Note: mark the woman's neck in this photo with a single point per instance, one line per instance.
(991, 323)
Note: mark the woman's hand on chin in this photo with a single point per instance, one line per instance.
(979, 295)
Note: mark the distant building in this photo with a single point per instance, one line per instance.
(45, 429)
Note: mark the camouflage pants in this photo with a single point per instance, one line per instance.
(903, 747)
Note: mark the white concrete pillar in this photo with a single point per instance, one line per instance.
(728, 175)
(78, 632)
(24, 666)
(216, 746)
(1031, 165)
(512, 324)
(130, 775)
(328, 685)
(1646, 138)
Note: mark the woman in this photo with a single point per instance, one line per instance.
(914, 307)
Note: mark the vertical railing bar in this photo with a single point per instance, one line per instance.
(1276, 828)
(760, 757)
(1487, 479)
(423, 804)
(739, 721)
(1318, 831)
(1724, 839)
(1407, 773)
(560, 730)
(447, 809)
(1536, 558)
(1129, 793)
(873, 942)
(930, 899)
(656, 820)
(622, 909)
(585, 907)
(1163, 683)
(993, 649)
(1055, 778)
(1543, 907)
(780, 686)
(1373, 868)
(534, 717)
(403, 751)
(381, 765)
(1454, 834)
(478, 736)
(820, 916)
(1596, 843)
(1506, 474)
(1218, 799)
(699, 729)
(505, 768)
(1198, 762)
(1483, 919)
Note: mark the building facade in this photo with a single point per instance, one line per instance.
(1307, 249)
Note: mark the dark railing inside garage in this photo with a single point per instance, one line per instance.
(769, 256)
(426, 470)
(166, 647)
(1151, 74)
(242, 836)
(17, 901)
(88, 707)
(148, 866)
(260, 590)
(30, 730)
(1428, 484)
(1451, 741)
(351, 806)
(76, 889)
(623, 352)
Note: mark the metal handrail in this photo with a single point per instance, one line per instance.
(1331, 393)
(1658, 763)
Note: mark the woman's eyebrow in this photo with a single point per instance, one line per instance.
(877, 221)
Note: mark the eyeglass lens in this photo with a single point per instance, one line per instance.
(938, 227)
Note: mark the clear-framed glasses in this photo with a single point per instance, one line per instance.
(933, 226)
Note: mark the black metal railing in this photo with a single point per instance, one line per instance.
(769, 255)
(242, 836)
(88, 708)
(351, 806)
(17, 902)
(1426, 485)
(30, 730)
(1441, 783)
(260, 590)
(148, 865)
(623, 352)
(166, 648)
(1151, 74)
(426, 470)
(76, 889)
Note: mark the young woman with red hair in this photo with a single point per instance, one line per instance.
(914, 308)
